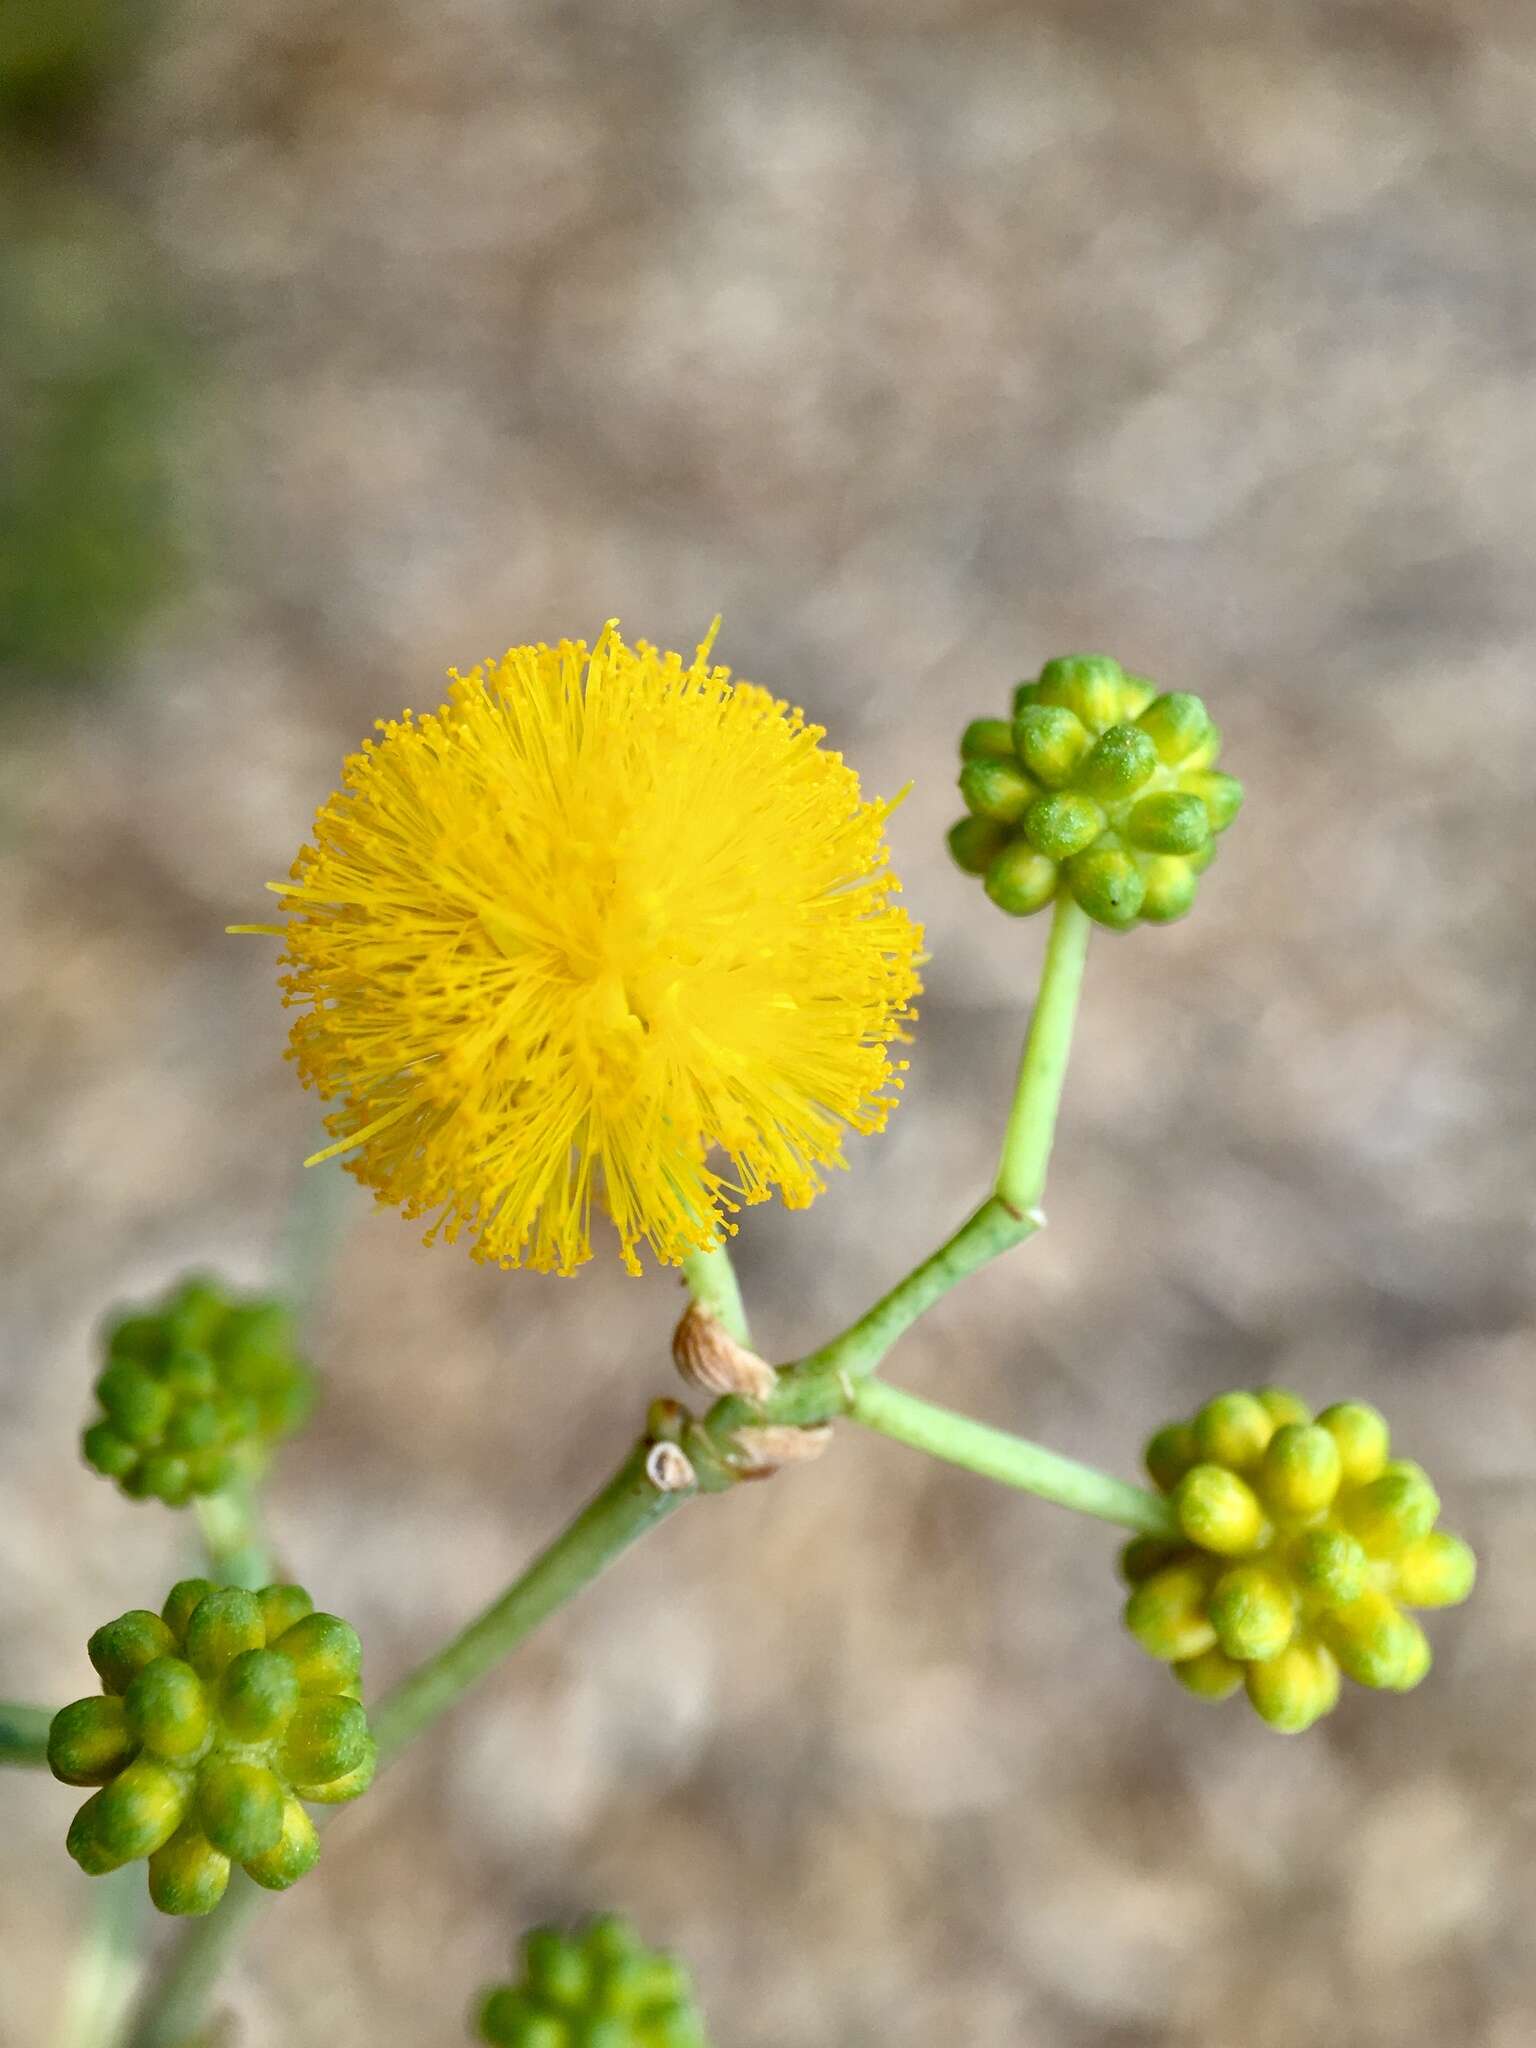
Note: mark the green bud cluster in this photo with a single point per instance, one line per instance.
(1304, 1543)
(597, 1988)
(217, 1717)
(1096, 783)
(194, 1392)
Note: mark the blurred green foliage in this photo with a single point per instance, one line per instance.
(89, 363)
(56, 55)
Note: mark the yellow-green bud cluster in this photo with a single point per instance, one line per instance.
(1096, 783)
(194, 1392)
(597, 1988)
(1304, 1542)
(217, 1716)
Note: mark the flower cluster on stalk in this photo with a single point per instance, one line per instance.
(217, 1718)
(1096, 784)
(1303, 1544)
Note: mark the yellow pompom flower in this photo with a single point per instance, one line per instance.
(605, 928)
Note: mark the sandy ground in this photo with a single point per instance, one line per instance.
(923, 340)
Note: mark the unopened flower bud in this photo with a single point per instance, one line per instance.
(1222, 796)
(1296, 1688)
(1170, 1453)
(325, 1652)
(997, 790)
(1330, 1567)
(295, 1852)
(1393, 1510)
(1171, 821)
(1301, 1471)
(167, 1709)
(1063, 824)
(1219, 1512)
(1376, 1643)
(1019, 880)
(188, 1875)
(1171, 884)
(1233, 1430)
(90, 1741)
(142, 1807)
(1050, 741)
(1167, 1613)
(1363, 1439)
(975, 843)
(1282, 1405)
(1213, 1675)
(1109, 885)
(258, 1694)
(239, 1806)
(1176, 724)
(223, 1625)
(1091, 685)
(1118, 764)
(1436, 1571)
(987, 739)
(122, 1649)
(1253, 1611)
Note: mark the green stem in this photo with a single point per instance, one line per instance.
(174, 2010)
(23, 1733)
(712, 1282)
(1011, 1459)
(1043, 1066)
(815, 1389)
(107, 1965)
(625, 1508)
(828, 1382)
(231, 1530)
(312, 1234)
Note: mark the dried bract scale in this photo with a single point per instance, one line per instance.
(764, 1449)
(669, 1469)
(708, 1357)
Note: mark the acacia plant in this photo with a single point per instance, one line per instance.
(610, 944)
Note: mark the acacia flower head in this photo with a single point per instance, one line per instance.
(217, 1718)
(1303, 1544)
(606, 929)
(1097, 786)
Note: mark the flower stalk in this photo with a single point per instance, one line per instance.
(1011, 1460)
(711, 1280)
(230, 1524)
(1031, 1129)
(23, 1733)
(106, 1969)
(620, 1513)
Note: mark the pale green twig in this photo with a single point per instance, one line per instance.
(106, 1968)
(1013, 1460)
(711, 1280)
(23, 1733)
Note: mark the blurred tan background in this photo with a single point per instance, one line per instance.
(923, 340)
